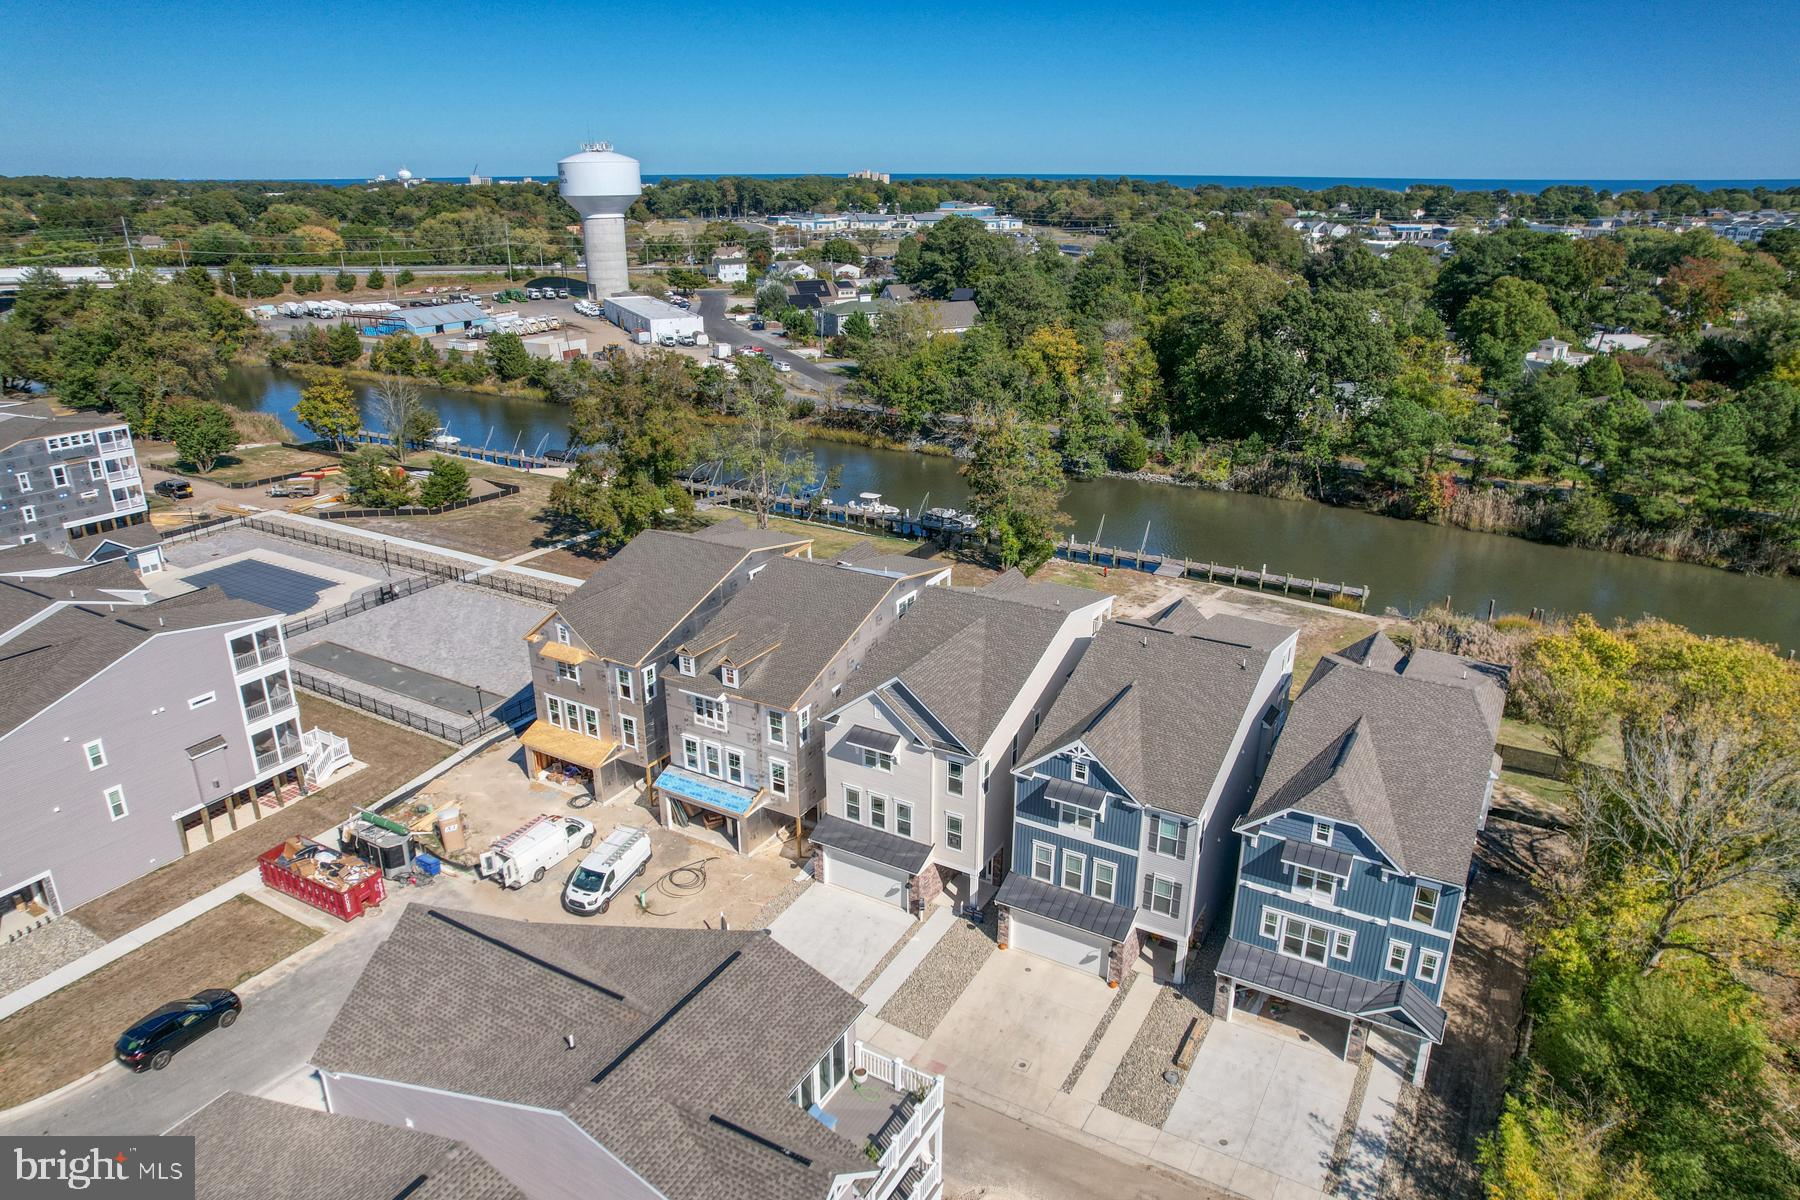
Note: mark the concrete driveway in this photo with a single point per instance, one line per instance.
(1018, 1028)
(1271, 1103)
(839, 933)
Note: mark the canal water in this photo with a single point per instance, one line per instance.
(1407, 564)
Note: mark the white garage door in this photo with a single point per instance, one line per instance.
(862, 875)
(1059, 943)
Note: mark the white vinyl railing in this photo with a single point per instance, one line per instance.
(904, 1149)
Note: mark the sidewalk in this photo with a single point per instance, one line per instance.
(482, 565)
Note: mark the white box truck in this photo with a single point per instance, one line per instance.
(721, 350)
(524, 855)
(607, 868)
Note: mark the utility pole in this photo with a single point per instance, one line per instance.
(506, 234)
(129, 252)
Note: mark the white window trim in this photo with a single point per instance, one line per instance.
(1112, 882)
(1035, 861)
(625, 683)
(88, 753)
(1405, 949)
(804, 716)
(953, 831)
(853, 809)
(728, 675)
(1347, 939)
(629, 736)
(1271, 923)
(878, 808)
(562, 633)
(712, 760)
(1157, 822)
(954, 773)
(690, 752)
(1437, 904)
(778, 766)
(734, 761)
(684, 664)
(1078, 770)
(568, 671)
(1436, 971)
(1174, 897)
(721, 722)
(872, 760)
(1062, 876)
(108, 796)
(23, 479)
(777, 726)
(649, 683)
(903, 809)
(1322, 831)
(1304, 892)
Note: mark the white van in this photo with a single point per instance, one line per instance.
(525, 854)
(607, 868)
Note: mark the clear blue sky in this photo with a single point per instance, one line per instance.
(291, 89)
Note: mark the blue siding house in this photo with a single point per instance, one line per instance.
(1355, 858)
(1124, 801)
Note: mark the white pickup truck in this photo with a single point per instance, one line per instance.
(524, 855)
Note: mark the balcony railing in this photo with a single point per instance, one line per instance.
(280, 752)
(901, 1153)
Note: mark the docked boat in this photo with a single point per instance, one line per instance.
(949, 519)
(442, 438)
(869, 504)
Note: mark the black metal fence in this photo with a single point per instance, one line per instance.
(362, 602)
(458, 733)
(412, 510)
(442, 569)
(197, 527)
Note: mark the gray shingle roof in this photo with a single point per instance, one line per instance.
(962, 656)
(1186, 617)
(1087, 913)
(642, 593)
(1401, 747)
(1159, 709)
(672, 1027)
(1010, 584)
(22, 422)
(889, 849)
(1397, 1003)
(246, 1148)
(783, 628)
(733, 532)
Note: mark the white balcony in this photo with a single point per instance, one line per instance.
(897, 1110)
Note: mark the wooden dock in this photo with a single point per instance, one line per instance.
(908, 524)
(517, 460)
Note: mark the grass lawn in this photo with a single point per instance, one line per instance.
(394, 756)
(69, 1033)
(251, 462)
(497, 529)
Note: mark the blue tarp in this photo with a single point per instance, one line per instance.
(698, 789)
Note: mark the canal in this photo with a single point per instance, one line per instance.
(1408, 564)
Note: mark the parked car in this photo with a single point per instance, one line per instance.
(782, 367)
(617, 860)
(686, 339)
(562, 293)
(153, 1041)
(759, 324)
(668, 339)
(175, 489)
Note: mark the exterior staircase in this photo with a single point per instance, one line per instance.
(326, 754)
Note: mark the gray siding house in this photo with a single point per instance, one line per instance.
(614, 1061)
(1125, 799)
(918, 749)
(132, 732)
(64, 477)
(1355, 858)
(595, 660)
(744, 691)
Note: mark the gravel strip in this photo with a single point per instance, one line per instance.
(912, 931)
(1340, 1149)
(1112, 1010)
(941, 978)
(1397, 1172)
(1138, 1089)
(774, 908)
(44, 950)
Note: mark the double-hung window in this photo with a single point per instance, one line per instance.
(852, 803)
(1043, 862)
(1271, 923)
(709, 712)
(96, 754)
(734, 765)
(23, 478)
(569, 673)
(1315, 883)
(553, 708)
(1105, 877)
(1431, 963)
(627, 683)
(59, 477)
(1398, 952)
(1303, 939)
(1321, 832)
(1078, 770)
(115, 802)
(712, 760)
(649, 683)
(685, 664)
(877, 811)
(728, 676)
(690, 753)
(953, 780)
(953, 831)
(1425, 904)
(1162, 895)
(1083, 818)
(877, 760)
(628, 732)
(1074, 870)
(778, 777)
(805, 717)
(1165, 836)
(902, 818)
(562, 633)
(777, 728)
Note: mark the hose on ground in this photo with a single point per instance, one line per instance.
(677, 883)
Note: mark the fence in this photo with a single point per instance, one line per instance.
(383, 552)
(362, 602)
(194, 529)
(238, 485)
(501, 458)
(413, 510)
(459, 734)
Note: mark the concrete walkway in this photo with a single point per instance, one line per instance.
(1117, 1039)
(1364, 1163)
(908, 960)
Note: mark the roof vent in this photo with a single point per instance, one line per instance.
(1243, 664)
(568, 1041)
(1144, 641)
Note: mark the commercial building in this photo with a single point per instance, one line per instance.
(646, 314)
(630, 1063)
(437, 318)
(131, 729)
(64, 477)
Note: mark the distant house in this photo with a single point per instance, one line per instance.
(151, 241)
(792, 268)
(1606, 342)
(829, 320)
(729, 268)
(899, 293)
(1356, 856)
(954, 316)
(847, 271)
(1552, 351)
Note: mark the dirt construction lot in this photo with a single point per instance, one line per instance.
(64, 1036)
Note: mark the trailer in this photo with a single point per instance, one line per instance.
(330, 881)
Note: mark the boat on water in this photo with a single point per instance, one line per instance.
(869, 504)
(442, 438)
(949, 519)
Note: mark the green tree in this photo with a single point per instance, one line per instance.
(510, 358)
(766, 445)
(1016, 484)
(404, 278)
(448, 482)
(1131, 450)
(346, 281)
(634, 431)
(202, 433)
(343, 344)
(328, 408)
(375, 280)
(1502, 322)
(686, 279)
(1571, 682)
(1543, 1151)
(374, 480)
(840, 250)
(1401, 442)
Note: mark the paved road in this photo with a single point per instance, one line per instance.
(712, 304)
(990, 1155)
(282, 1025)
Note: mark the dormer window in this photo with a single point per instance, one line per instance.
(685, 664)
(1321, 832)
(728, 675)
(1078, 770)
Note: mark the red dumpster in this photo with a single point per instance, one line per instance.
(338, 884)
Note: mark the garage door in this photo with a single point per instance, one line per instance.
(1060, 943)
(861, 875)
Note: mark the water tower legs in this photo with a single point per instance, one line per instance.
(603, 243)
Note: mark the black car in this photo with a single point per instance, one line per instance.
(175, 489)
(153, 1041)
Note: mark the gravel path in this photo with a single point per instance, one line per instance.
(1112, 1010)
(1395, 1179)
(1138, 1089)
(44, 950)
(1340, 1150)
(941, 978)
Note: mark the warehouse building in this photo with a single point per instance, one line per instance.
(438, 318)
(643, 314)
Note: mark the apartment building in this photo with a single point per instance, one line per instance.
(631, 1063)
(132, 729)
(743, 691)
(1125, 799)
(1355, 859)
(919, 747)
(64, 477)
(595, 660)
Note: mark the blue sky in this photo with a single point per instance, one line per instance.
(1424, 90)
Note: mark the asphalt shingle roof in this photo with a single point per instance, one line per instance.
(672, 1027)
(247, 1148)
(1186, 617)
(1401, 746)
(1159, 709)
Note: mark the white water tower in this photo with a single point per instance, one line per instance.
(600, 184)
